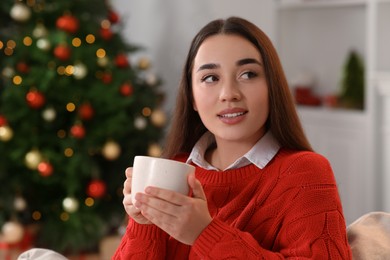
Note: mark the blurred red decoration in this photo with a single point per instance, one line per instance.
(96, 189)
(35, 99)
(62, 52)
(22, 67)
(106, 34)
(68, 23)
(305, 96)
(45, 169)
(126, 89)
(77, 131)
(86, 111)
(3, 120)
(113, 17)
(107, 78)
(121, 61)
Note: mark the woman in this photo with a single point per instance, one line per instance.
(259, 191)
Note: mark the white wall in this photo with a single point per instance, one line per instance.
(166, 27)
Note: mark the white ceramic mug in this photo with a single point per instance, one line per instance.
(159, 172)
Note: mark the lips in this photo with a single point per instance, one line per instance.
(232, 115)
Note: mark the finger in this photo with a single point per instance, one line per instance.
(127, 187)
(127, 200)
(129, 172)
(196, 186)
(163, 221)
(127, 182)
(166, 206)
(155, 210)
(129, 207)
(136, 214)
(166, 195)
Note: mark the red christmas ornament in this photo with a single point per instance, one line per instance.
(45, 169)
(77, 131)
(126, 89)
(107, 78)
(35, 99)
(62, 52)
(106, 34)
(22, 67)
(86, 111)
(121, 61)
(96, 189)
(68, 23)
(3, 120)
(113, 17)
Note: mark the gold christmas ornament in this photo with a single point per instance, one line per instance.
(8, 72)
(103, 62)
(151, 79)
(32, 159)
(70, 204)
(39, 31)
(140, 123)
(20, 12)
(80, 71)
(111, 150)
(6, 133)
(20, 203)
(49, 114)
(144, 63)
(154, 150)
(12, 232)
(158, 118)
(44, 44)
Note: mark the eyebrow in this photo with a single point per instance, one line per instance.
(210, 66)
(248, 61)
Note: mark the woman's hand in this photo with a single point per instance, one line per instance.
(131, 210)
(182, 217)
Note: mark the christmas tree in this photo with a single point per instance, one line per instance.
(352, 84)
(76, 105)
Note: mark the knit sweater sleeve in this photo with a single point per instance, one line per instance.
(142, 242)
(309, 223)
(221, 241)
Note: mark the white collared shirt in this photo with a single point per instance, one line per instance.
(260, 154)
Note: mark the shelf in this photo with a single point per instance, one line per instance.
(299, 4)
(314, 38)
(314, 42)
(337, 117)
(331, 112)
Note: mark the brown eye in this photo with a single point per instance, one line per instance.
(248, 75)
(209, 79)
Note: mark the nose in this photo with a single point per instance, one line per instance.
(230, 92)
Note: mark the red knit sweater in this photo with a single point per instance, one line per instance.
(289, 209)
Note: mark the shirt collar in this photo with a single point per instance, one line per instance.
(260, 154)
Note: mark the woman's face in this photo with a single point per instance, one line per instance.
(230, 89)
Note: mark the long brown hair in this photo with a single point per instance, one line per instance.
(283, 122)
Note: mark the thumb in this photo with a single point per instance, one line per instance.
(196, 187)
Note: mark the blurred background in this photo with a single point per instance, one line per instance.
(87, 85)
